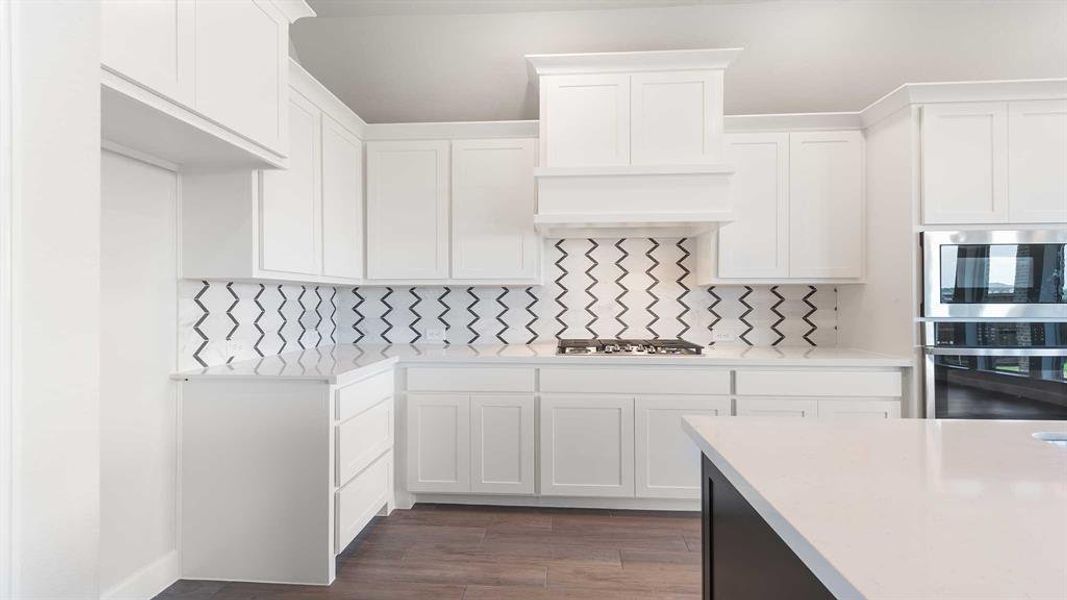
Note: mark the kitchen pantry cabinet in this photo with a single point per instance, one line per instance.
(303, 223)
(994, 162)
(799, 204)
(220, 66)
(440, 211)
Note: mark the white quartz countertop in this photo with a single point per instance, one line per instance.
(342, 361)
(906, 509)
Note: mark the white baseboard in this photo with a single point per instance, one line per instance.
(560, 502)
(149, 581)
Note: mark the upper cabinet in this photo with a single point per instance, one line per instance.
(799, 201)
(407, 210)
(304, 223)
(676, 117)
(994, 162)
(587, 117)
(452, 211)
(198, 82)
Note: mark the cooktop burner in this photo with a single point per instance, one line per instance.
(633, 347)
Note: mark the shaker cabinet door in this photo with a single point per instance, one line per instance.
(586, 120)
(342, 202)
(965, 163)
(150, 42)
(290, 198)
(587, 446)
(493, 202)
(668, 462)
(676, 117)
(502, 444)
(1037, 161)
(438, 442)
(826, 204)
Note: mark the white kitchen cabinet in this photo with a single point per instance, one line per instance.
(826, 204)
(806, 408)
(502, 444)
(858, 408)
(150, 43)
(242, 57)
(676, 117)
(587, 446)
(667, 461)
(304, 223)
(965, 163)
(493, 203)
(408, 209)
(342, 201)
(756, 243)
(290, 205)
(585, 120)
(438, 442)
(1037, 161)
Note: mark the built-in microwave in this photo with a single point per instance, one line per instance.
(995, 274)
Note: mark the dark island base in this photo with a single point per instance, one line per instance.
(745, 559)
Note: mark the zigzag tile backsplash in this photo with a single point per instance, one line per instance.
(632, 287)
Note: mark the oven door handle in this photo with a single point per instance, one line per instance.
(950, 351)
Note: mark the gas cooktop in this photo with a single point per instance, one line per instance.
(628, 347)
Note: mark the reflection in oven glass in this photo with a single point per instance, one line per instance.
(1000, 387)
(1003, 274)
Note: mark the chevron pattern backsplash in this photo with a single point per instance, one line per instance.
(631, 287)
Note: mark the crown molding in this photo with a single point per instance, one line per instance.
(962, 91)
(293, 9)
(630, 62)
(451, 130)
(311, 88)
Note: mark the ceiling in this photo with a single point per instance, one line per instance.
(451, 60)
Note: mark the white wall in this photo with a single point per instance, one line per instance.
(138, 406)
(55, 300)
(811, 56)
(879, 316)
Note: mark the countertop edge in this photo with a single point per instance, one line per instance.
(834, 580)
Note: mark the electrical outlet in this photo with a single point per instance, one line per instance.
(722, 336)
(233, 348)
(434, 334)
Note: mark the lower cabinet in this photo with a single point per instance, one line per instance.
(668, 462)
(866, 408)
(361, 499)
(459, 443)
(587, 446)
(777, 407)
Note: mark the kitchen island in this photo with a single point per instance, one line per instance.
(901, 509)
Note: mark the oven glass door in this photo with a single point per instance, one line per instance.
(998, 384)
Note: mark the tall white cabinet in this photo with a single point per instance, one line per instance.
(799, 210)
(994, 162)
(304, 223)
(452, 211)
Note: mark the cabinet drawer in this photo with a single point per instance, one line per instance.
(819, 383)
(361, 499)
(804, 408)
(360, 396)
(659, 380)
(363, 438)
(859, 408)
(470, 379)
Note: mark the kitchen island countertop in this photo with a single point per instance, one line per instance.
(905, 509)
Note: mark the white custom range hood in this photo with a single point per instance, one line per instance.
(631, 143)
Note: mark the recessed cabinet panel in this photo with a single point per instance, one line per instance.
(778, 407)
(438, 433)
(290, 209)
(826, 204)
(493, 198)
(241, 63)
(756, 243)
(502, 444)
(1037, 161)
(342, 202)
(676, 117)
(150, 43)
(407, 210)
(586, 120)
(587, 446)
(668, 462)
(965, 163)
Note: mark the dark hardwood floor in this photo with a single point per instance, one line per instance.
(448, 552)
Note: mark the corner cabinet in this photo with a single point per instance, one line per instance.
(211, 77)
(799, 204)
(304, 223)
(994, 162)
(452, 211)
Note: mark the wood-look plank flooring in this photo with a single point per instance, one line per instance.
(445, 552)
